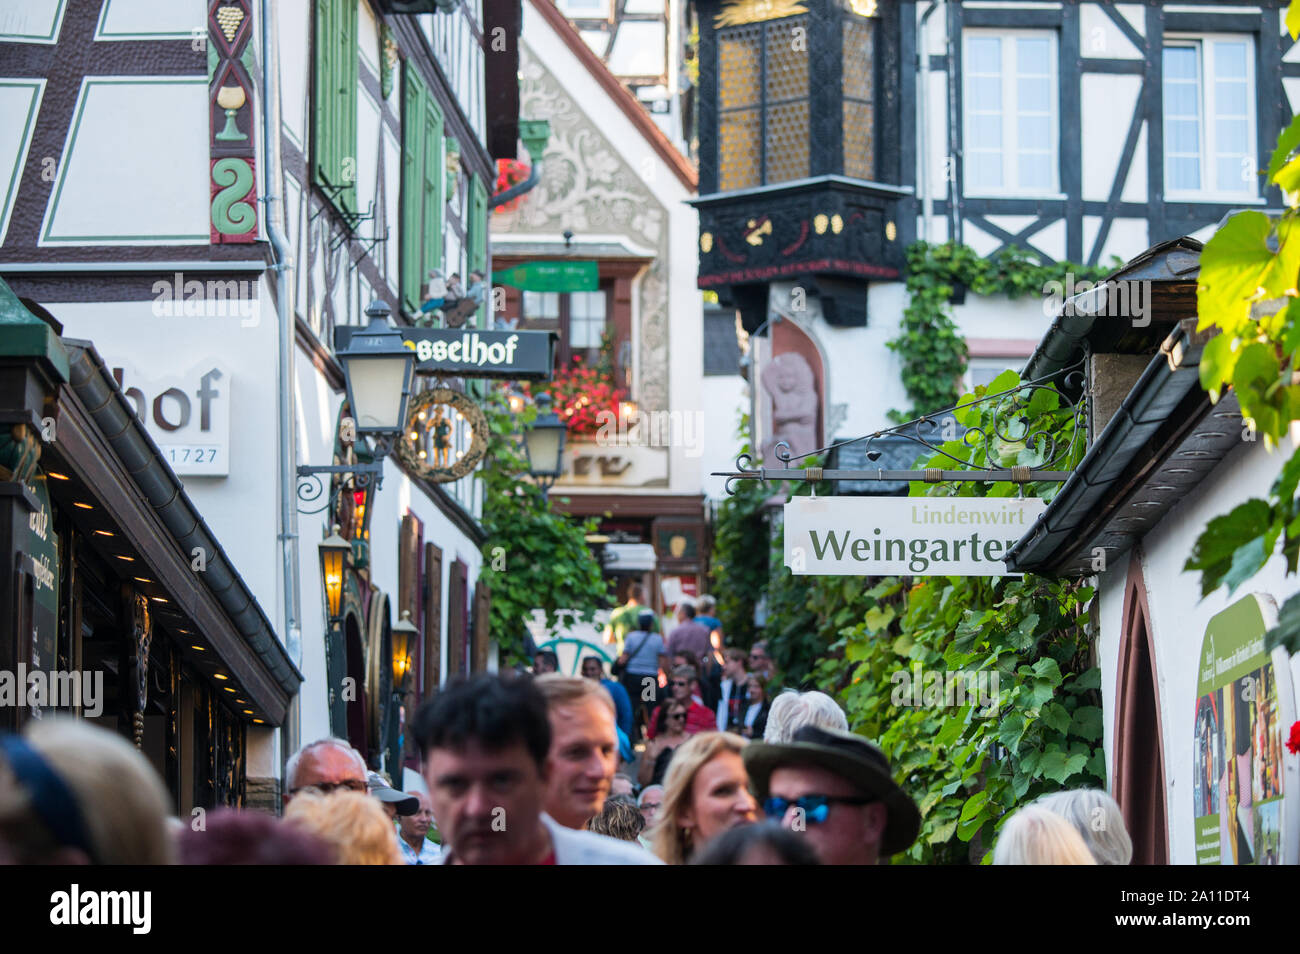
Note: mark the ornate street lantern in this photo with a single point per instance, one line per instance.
(334, 551)
(404, 636)
(544, 444)
(378, 365)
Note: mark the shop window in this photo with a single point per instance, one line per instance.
(763, 106)
(1209, 117)
(1010, 101)
(422, 187)
(334, 126)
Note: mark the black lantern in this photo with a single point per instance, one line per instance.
(404, 636)
(334, 552)
(377, 366)
(544, 444)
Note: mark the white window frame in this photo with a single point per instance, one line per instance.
(602, 10)
(1209, 191)
(994, 363)
(1011, 186)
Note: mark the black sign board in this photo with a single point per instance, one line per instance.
(472, 353)
(896, 453)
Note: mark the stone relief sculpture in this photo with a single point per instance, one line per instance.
(788, 380)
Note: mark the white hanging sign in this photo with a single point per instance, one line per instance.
(905, 536)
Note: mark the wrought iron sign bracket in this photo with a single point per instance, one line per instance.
(1018, 475)
(311, 487)
(371, 241)
(1004, 426)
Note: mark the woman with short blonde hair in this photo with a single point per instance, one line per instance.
(1036, 836)
(352, 823)
(706, 792)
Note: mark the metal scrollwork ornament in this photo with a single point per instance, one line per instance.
(446, 435)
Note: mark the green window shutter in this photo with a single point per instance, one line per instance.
(414, 96)
(334, 127)
(478, 226)
(434, 184)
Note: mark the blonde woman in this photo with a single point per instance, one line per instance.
(706, 792)
(354, 825)
(72, 793)
(1037, 836)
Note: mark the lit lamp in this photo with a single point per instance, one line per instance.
(544, 445)
(404, 637)
(334, 551)
(377, 366)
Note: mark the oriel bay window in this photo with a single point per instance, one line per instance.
(763, 103)
(795, 93)
(799, 145)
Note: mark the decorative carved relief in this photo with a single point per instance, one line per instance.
(588, 186)
(232, 123)
(788, 380)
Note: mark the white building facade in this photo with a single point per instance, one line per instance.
(208, 195)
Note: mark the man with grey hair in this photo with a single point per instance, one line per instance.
(1096, 816)
(792, 710)
(325, 765)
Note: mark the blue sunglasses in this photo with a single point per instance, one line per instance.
(815, 808)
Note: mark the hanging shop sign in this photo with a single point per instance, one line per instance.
(1244, 781)
(550, 276)
(42, 550)
(187, 415)
(446, 435)
(905, 536)
(461, 353)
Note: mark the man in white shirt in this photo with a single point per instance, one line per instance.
(417, 849)
(732, 702)
(485, 744)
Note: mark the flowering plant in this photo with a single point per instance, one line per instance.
(510, 172)
(579, 395)
(1293, 743)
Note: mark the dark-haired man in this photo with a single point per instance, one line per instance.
(485, 743)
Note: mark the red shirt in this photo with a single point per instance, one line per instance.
(698, 719)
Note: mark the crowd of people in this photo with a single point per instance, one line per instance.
(538, 767)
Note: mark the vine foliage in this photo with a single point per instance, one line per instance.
(534, 557)
(931, 347)
(1247, 293)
